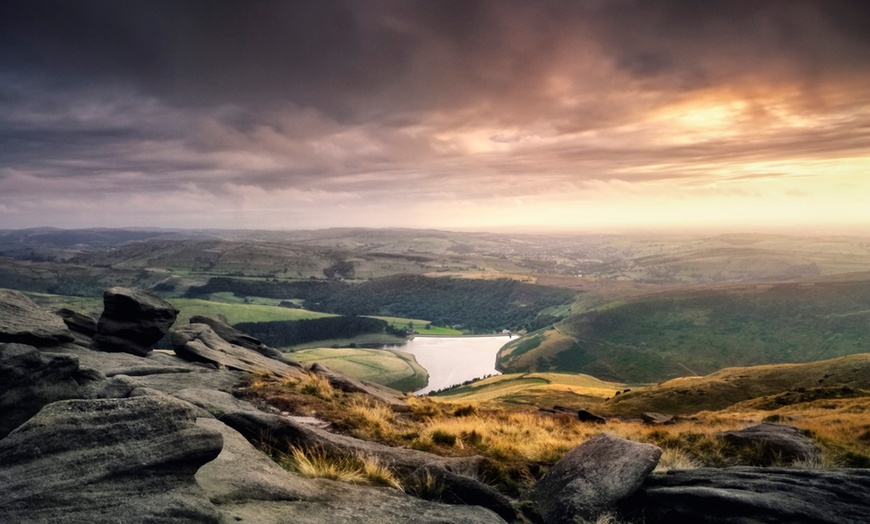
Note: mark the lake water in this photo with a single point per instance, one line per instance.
(453, 360)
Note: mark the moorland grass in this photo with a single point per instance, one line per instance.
(522, 444)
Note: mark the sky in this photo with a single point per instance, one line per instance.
(595, 115)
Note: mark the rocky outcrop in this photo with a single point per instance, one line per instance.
(133, 320)
(776, 443)
(29, 380)
(21, 320)
(280, 431)
(111, 460)
(592, 478)
(237, 338)
(246, 486)
(742, 495)
(199, 343)
(130, 451)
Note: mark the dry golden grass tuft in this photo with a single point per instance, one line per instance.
(315, 463)
(373, 420)
(317, 386)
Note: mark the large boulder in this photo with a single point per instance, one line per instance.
(109, 460)
(592, 478)
(774, 442)
(21, 320)
(29, 380)
(133, 320)
(743, 495)
(199, 343)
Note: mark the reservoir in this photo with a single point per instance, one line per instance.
(453, 360)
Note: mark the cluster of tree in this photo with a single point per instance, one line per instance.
(283, 333)
(476, 305)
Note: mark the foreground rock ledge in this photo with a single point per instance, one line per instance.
(743, 494)
(109, 460)
(21, 320)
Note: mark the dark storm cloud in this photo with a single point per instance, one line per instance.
(377, 96)
(354, 59)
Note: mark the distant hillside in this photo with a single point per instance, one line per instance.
(695, 332)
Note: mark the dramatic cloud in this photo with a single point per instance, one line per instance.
(585, 114)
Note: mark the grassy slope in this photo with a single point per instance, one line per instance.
(734, 385)
(746, 388)
(534, 390)
(395, 369)
(695, 332)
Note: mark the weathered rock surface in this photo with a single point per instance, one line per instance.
(111, 364)
(29, 380)
(592, 478)
(352, 385)
(82, 327)
(199, 343)
(111, 460)
(459, 489)
(247, 486)
(656, 419)
(238, 338)
(21, 320)
(242, 473)
(280, 431)
(744, 495)
(357, 505)
(133, 320)
(776, 442)
(588, 416)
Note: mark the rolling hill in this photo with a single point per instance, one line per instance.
(696, 331)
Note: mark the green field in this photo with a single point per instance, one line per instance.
(394, 369)
(423, 327)
(235, 313)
